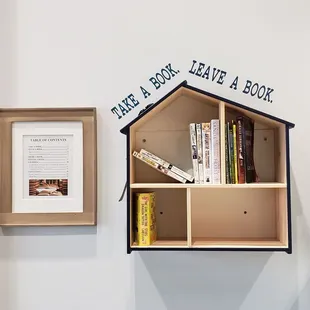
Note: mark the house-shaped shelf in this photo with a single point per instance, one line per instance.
(248, 217)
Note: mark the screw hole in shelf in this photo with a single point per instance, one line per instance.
(143, 140)
(161, 213)
(245, 212)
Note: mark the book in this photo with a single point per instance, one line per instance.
(145, 230)
(240, 149)
(235, 167)
(167, 165)
(215, 151)
(206, 154)
(199, 153)
(160, 168)
(193, 141)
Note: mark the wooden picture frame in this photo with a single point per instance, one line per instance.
(86, 117)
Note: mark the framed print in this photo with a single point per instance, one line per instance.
(48, 167)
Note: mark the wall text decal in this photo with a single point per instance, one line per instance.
(220, 77)
(156, 81)
(200, 70)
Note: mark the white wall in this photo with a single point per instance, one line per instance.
(94, 53)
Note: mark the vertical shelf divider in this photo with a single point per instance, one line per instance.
(222, 141)
(189, 217)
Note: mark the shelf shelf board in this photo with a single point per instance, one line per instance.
(163, 244)
(237, 243)
(214, 244)
(223, 186)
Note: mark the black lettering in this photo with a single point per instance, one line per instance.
(166, 77)
(254, 93)
(269, 91)
(206, 74)
(145, 92)
(247, 87)
(172, 72)
(214, 76)
(259, 92)
(124, 111)
(127, 104)
(134, 101)
(221, 78)
(163, 79)
(200, 67)
(155, 83)
(234, 83)
(191, 70)
(115, 111)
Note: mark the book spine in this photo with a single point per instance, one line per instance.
(194, 151)
(167, 165)
(206, 154)
(143, 215)
(215, 150)
(226, 156)
(241, 150)
(199, 153)
(158, 167)
(235, 154)
(153, 218)
(231, 155)
(250, 173)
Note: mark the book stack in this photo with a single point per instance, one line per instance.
(239, 150)
(163, 166)
(205, 151)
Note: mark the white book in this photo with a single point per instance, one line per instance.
(193, 141)
(206, 152)
(167, 165)
(158, 167)
(199, 153)
(215, 151)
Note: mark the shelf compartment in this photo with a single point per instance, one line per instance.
(254, 217)
(269, 144)
(171, 217)
(166, 134)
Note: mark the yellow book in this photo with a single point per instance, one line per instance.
(235, 153)
(146, 232)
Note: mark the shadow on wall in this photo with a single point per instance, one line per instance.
(227, 280)
(301, 249)
(188, 280)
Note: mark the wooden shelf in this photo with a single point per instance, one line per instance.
(248, 217)
(237, 243)
(164, 244)
(219, 186)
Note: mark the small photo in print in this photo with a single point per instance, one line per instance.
(53, 188)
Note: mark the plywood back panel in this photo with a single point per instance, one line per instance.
(220, 213)
(179, 114)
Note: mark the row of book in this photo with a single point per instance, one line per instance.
(206, 154)
(239, 151)
(205, 151)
